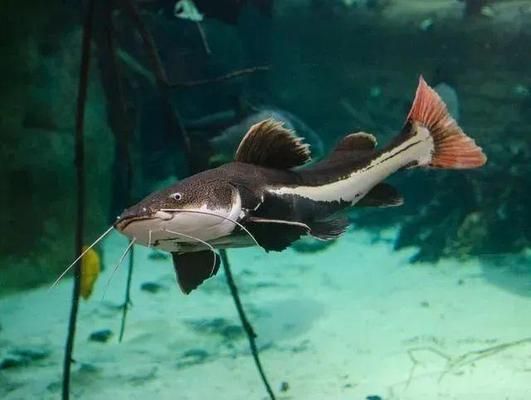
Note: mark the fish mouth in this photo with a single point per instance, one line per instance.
(125, 220)
(123, 223)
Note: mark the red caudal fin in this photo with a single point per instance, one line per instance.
(452, 147)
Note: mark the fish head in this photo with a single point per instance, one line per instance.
(191, 212)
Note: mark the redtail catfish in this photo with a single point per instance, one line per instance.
(268, 197)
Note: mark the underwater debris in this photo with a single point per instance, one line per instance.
(229, 11)
(284, 386)
(474, 7)
(186, 9)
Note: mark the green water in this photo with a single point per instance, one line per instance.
(424, 301)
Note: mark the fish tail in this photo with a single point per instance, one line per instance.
(451, 148)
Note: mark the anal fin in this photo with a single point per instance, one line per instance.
(329, 229)
(382, 195)
(194, 268)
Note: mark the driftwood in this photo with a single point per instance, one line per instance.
(461, 360)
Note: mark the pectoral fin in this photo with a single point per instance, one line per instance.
(275, 235)
(194, 268)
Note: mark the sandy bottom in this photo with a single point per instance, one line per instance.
(352, 321)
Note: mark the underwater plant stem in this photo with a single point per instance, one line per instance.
(80, 175)
(248, 328)
(127, 301)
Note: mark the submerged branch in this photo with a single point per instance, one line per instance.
(124, 132)
(80, 176)
(127, 301)
(251, 335)
(226, 77)
(139, 69)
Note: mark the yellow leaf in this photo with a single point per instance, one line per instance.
(90, 269)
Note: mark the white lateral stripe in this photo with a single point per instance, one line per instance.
(359, 182)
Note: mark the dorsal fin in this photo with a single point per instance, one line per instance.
(271, 145)
(358, 141)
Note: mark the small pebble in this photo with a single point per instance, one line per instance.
(232, 332)
(101, 336)
(197, 354)
(21, 357)
(11, 362)
(158, 255)
(151, 287)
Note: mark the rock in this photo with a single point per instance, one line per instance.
(196, 353)
(284, 386)
(158, 255)
(232, 332)
(22, 357)
(101, 336)
(218, 326)
(152, 287)
(11, 362)
(193, 357)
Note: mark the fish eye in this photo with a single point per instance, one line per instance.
(176, 196)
